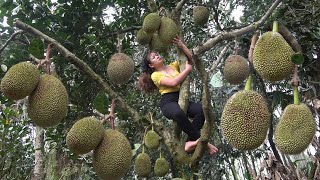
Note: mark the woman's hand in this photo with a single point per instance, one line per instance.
(188, 66)
(178, 42)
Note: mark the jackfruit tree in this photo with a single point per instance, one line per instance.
(45, 137)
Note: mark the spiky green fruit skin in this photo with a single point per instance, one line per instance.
(152, 140)
(142, 165)
(200, 15)
(48, 103)
(168, 30)
(112, 157)
(161, 167)
(236, 69)
(143, 38)
(272, 57)
(295, 130)
(151, 23)
(245, 120)
(120, 68)
(20, 80)
(85, 135)
(157, 45)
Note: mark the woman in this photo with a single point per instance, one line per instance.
(167, 79)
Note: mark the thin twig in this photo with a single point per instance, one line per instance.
(12, 37)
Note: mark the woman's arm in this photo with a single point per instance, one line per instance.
(183, 47)
(165, 81)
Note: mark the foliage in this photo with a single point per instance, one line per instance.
(16, 144)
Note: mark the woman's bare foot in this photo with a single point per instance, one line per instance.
(190, 146)
(212, 149)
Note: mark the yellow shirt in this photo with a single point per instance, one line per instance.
(157, 76)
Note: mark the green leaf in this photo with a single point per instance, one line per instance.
(36, 48)
(101, 103)
(4, 68)
(297, 58)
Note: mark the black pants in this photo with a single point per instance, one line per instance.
(171, 109)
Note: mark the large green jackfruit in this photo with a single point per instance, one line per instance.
(157, 45)
(168, 30)
(85, 135)
(272, 57)
(20, 80)
(48, 103)
(200, 15)
(236, 69)
(142, 165)
(152, 140)
(151, 23)
(143, 38)
(245, 120)
(120, 68)
(161, 167)
(112, 157)
(295, 130)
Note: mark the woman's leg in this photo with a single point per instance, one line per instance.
(173, 111)
(195, 111)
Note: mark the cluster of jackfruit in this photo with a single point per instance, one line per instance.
(157, 32)
(245, 120)
(142, 165)
(272, 57)
(295, 130)
(48, 98)
(200, 15)
(112, 152)
(236, 69)
(143, 161)
(120, 68)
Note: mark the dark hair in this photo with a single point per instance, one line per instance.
(145, 83)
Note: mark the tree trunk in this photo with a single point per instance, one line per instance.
(38, 172)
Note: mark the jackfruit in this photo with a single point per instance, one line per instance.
(272, 57)
(142, 165)
(20, 80)
(200, 15)
(161, 167)
(85, 135)
(245, 120)
(143, 38)
(152, 140)
(120, 68)
(157, 45)
(236, 69)
(151, 23)
(48, 103)
(168, 30)
(112, 157)
(295, 130)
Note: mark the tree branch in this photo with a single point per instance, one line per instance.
(219, 60)
(229, 35)
(129, 29)
(12, 37)
(82, 66)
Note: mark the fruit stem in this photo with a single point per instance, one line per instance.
(295, 86)
(248, 83)
(275, 27)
